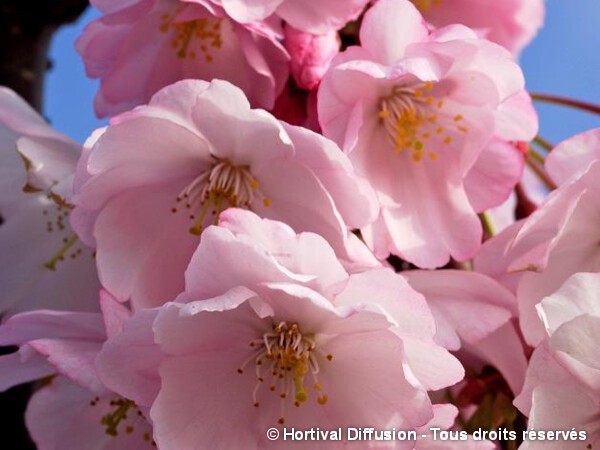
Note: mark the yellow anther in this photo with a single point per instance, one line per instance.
(185, 35)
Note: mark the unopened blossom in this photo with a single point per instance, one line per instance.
(311, 16)
(141, 46)
(310, 55)
(415, 111)
(562, 390)
(510, 23)
(159, 175)
(272, 330)
(43, 264)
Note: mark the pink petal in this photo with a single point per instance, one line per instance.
(470, 304)
(390, 291)
(573, 156)
(60, 416)
(320, 17)
(574, 298)
(353, 196)
(379, 30)
(145, 260)
(23, 366)
(575, 347)
(504, 350)
(129, 360)
(494, 175)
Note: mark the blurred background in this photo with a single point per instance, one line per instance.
(564, 59)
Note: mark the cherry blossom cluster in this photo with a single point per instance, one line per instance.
(289, 222)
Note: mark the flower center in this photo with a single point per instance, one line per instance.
(410, 117)
(57, 217)
(203, 35)
(222, 186)
(286, 356)
(426, 5)
(123, 416)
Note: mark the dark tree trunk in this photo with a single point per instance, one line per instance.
(26, 29)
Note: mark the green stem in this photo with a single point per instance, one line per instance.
(537, 156)
(545, 144)
(488, 223)
(565, 101)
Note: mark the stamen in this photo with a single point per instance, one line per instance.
(288, 355)
(221, 186)
(112, 420)
(410, 118)
(203, 34)
(60, 255)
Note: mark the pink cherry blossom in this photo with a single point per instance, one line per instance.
(72, 408)
(312, 263)
(346, 368)
(310, 55)
(510, 23)
(255, 289)
(141, 46)
(42, 262)
(311, 16)
(160, 174)
(556, 241)
(414, 112)
(65, 415)
(562, 389)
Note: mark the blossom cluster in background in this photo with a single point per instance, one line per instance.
(302, 214)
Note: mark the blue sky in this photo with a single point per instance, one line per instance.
(564, 59)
